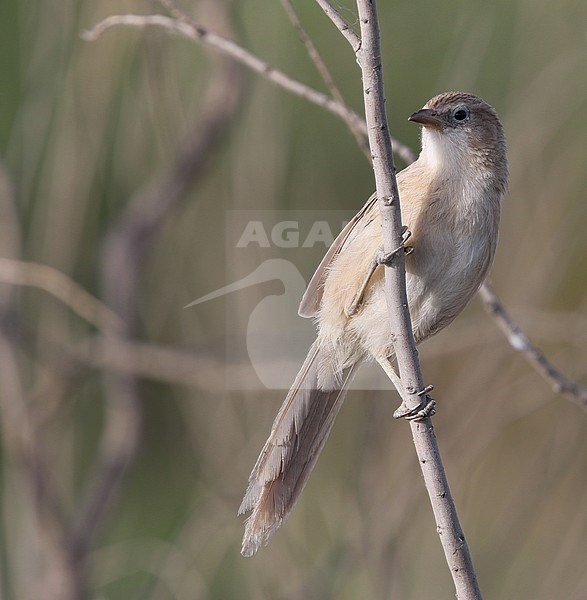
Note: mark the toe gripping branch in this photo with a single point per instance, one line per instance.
(424, 410)
(379, 258)
(384, 258)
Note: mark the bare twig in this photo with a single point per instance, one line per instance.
(352, 38)
(519, 341)
(327, 78)
(451, 535)
(199, 33)
(151, 361)
(56, 283)
(174, 10)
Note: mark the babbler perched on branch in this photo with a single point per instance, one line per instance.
(450, 198)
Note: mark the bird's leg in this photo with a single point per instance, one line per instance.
(386, 365)
(424, 410)
(384, 258)
(379, 258)
(358, 297)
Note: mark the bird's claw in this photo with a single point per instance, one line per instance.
(426, 408)
(384, 258)
(379, 258)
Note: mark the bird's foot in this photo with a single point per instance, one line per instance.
(379, 258)
(426, 408)
(384, 258)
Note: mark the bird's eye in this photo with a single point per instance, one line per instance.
(461, 114)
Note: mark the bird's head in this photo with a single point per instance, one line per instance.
(460, 130)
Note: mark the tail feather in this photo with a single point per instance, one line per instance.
(299, 432)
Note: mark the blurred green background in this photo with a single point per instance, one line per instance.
(90, 129)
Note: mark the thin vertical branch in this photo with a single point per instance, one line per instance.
(22, 439)
(451, 535)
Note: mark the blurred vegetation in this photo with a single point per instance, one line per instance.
(85, 126)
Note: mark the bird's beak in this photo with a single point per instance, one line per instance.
(428, 118)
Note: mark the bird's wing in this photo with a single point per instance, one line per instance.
(312, 297)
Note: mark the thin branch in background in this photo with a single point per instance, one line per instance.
(327, 78)
(151, 361)
(450, 532)
(199, 33)
(519, 341)
(354, 121)
(23, 443)
(124, 259)
(175, 11)
(56, 283)
(344, 28)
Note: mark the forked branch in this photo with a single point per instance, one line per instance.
(197, 32)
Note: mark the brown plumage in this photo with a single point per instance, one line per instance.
(450, 198)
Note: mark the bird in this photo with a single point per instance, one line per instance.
(451, 199)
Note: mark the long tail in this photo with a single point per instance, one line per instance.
(298, 435)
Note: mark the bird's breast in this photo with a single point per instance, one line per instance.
(454, 234)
